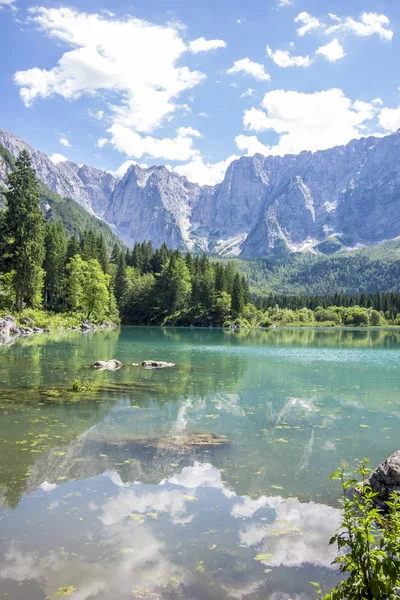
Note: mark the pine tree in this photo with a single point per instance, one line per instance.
(24, 226)
(120, 278)
(54, 262)
(73, 248)
(102, 254)
(237, 296)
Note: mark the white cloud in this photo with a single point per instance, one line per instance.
(283, 3)
(284, 59)
(309, 23)
(251, 145)
(249, 92)
(205, 173)
(368, 24)
(134, 145)
(65, 142)
(247, 66)
(203, 114)
(4, 3)
(377, 101)
(101, 142)
(96, 114)
(203, 45)
(305, 121)
(332, 51)
(57, 158)
(122, 169)
(136, 62)
(389, 119)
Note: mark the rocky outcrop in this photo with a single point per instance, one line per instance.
(107, 365)
(156, 364)
(88, 186)
(7, 329)
(385, 480)
(263, 205)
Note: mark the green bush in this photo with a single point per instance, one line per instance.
(368, 543)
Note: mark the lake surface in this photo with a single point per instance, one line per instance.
(98, 498)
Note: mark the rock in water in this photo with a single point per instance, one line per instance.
(109, 365)
(386, 479)
(156, 364)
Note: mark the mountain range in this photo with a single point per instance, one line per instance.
(323, 202)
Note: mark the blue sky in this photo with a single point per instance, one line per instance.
(195, 84)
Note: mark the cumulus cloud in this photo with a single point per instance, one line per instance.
(65, 142)
(130, 59)
(203, 45)
(205, 173)
(122, 169)
(308, 23)
(4, 3)
(389, 118)
(305, 121)
(283, 3)
(332, 51)
(57, 158)
(284, 59)
(368, 24)
(248, 67)
(134, 145)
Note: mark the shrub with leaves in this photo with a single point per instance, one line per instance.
(368, 542)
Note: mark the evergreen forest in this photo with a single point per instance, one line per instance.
(52, 272)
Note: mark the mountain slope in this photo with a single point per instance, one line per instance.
(332, 200)
(74, 217)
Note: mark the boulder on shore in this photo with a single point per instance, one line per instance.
(7, 328)
(385, 479)
(109, 365)
(156, 364)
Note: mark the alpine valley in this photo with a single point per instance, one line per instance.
(343, 198)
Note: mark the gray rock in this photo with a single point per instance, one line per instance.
(26, 321)
(109, 365)
(37, 330)
(156, 364)
(7, 329)
(386, 479)
(135, 364)
(85, 326)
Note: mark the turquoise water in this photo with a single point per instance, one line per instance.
(106, 495)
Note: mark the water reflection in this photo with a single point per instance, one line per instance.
(189, 535)
(115, 490)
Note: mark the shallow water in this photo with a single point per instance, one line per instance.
(96, 496)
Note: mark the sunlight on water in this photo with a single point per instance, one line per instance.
(208, 480)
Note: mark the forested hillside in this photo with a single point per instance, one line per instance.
(74, 218)
(366, 270)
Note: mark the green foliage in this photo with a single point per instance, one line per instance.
(88, 287)
(24, 232)
(368, 543)
(366, 270)
(81, 387)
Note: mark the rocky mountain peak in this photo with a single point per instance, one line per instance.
(350, 192)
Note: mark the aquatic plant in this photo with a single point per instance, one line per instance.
(81, 387)
(368, 543)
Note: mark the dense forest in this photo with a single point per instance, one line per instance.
(45, 268)
(371, 269)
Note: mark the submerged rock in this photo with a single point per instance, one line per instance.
(109, 365)
(385, 479)
(170, 441)
(156, 364)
